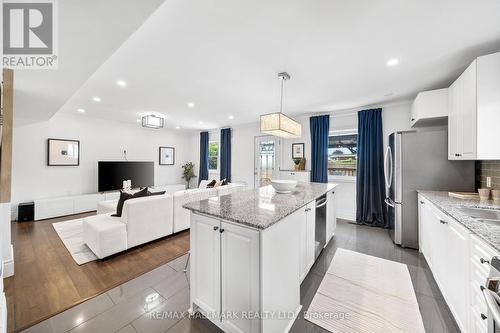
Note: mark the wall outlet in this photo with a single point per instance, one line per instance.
(488, 181)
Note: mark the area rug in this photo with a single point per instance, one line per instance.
(362, 293)
(71, 234)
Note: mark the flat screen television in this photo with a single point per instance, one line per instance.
(111, 174)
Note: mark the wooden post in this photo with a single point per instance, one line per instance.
(6, 148)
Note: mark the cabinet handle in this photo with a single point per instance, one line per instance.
(443, 222)
(423, 203)
(308, 209)
(412, 119)
(221, 231)
(483, 317)
(216, 228)
(482, 261)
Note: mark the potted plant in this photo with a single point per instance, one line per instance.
(188, 172)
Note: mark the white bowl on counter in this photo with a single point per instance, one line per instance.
(283, 186)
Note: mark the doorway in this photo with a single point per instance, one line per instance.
(266, 160)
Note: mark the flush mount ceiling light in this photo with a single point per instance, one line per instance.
(392, 62)
(277, 123)
(152, 121)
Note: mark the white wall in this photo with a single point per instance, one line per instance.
(99, 140)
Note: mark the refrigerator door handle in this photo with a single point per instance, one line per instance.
(388, 202)
(388, 167)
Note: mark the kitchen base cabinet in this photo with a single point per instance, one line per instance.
(446, 249)
(240, 275)
(459, 263)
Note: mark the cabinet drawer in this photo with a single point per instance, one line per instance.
(480, 250)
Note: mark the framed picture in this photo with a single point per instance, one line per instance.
(297, 150)
(61, 152)
(167, 155)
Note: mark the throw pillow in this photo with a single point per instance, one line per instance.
(219, 183)
(156, 193)
(212, 184)
(124, 196)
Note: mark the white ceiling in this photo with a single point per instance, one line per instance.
(224, 56)
(89, 32)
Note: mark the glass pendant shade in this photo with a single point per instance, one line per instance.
(152, 121)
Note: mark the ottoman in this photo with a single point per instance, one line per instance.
(105, 234)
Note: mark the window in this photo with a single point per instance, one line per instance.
(213, 156)
(342, 154)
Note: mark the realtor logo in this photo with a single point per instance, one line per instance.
(29, 34)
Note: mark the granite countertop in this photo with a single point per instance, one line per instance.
(490, 233)
(262, 207)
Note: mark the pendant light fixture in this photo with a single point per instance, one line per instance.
(277, 123)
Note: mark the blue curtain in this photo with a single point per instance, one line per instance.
(320, 128)
(203, 174)
(225, 154)
(370, 186)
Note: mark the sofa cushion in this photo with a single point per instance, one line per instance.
(124, 196)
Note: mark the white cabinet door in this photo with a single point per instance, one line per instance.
(457, 271)
(205, 263)
(453, 115)
(331, 216)
(468, 116)
(311, 234)
(240, 276)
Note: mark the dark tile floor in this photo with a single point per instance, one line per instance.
(131, 307)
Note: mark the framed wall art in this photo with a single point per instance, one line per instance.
(297, 150)
(167, 156)
(61, 152)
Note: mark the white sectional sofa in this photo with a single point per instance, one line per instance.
(144, 219)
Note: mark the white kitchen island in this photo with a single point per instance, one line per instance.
(249, 253)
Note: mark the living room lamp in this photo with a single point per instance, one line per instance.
(152, 121)
(277, 123)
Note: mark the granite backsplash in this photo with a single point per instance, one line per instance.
(488, 169)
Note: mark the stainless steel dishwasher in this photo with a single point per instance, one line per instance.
(320, 224)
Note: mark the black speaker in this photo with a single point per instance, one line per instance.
(26, 212)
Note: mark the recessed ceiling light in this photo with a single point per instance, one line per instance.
(231, 117)
(138, 120)
(177, 127)
(190, 105)
(96, 99)
(201, 123)
(121, 83)
(81, 110)
(392, 62)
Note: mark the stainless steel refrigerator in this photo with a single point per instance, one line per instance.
(418, 160)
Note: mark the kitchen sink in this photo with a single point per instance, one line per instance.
(482, 214)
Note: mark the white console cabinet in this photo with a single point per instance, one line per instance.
(54, 207)
(301, 176)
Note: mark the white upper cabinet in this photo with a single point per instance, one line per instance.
(429, 108)
(474, 111)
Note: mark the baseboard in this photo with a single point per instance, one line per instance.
(346, 215)
(8, 265)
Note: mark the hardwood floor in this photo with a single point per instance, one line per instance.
(47, 280)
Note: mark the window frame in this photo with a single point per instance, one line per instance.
(344, 179)
(218, 157)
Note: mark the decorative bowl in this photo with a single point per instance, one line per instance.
(283, 186)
